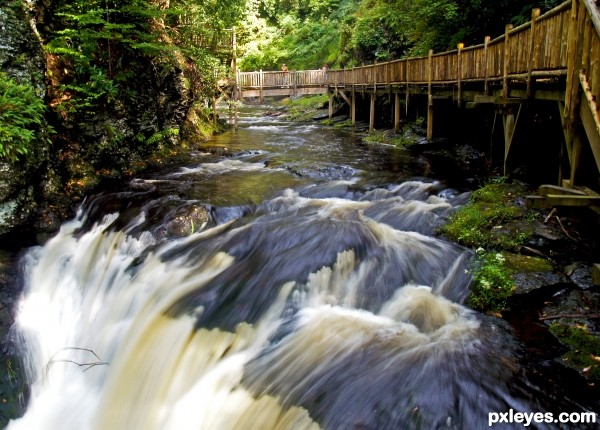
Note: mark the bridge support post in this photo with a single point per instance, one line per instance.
(396, 112)
(510, 124)
(353, 108)
(372, 113)
(430, 117)
(330, 105)
(430, 96)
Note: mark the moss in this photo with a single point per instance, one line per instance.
(526, 263)
(304, 108)
(584, 354)
(492, 219)
(388, 137)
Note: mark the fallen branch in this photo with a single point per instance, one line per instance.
(552, 212)
(564, 230)
(554, 317)
(87, 366)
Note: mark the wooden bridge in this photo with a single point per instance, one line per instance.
(554, 57)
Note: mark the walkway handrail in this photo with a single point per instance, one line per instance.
(269, 79)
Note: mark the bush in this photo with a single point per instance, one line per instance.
(20, 112)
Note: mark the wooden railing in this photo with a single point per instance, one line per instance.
(562, 43)
(263, 79)
(538, 47)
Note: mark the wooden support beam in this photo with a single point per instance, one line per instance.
(571, 114)
(407, 86)
(396, 112)
(510, 125)
(372, 113)
(543, 202)
(330, 105)
(546, 189)
(430, 96)
(590, 118)
(344, 96)
(214, 110)
(509, 130)
(596, 274)
(535, 13)
(353, 108)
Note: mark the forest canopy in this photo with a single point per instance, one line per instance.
(306, 34)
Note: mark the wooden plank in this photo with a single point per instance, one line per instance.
(542, 202)
(591, 120)
(596, 274)
(546, 189)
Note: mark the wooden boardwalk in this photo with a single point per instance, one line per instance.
(554, 57)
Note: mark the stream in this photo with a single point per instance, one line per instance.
(288, 277)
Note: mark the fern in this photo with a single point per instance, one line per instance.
(20, 112)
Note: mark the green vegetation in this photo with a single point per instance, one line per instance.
(492, 282)
(489, 220)
(21, 112)
(343, 33)
(403, 139)
(584, 355)
(304, 108)
(494, 224)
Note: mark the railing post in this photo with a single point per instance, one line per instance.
(372, 113)
(407, 87)
(486, 87)
(430, 96)
(573, 88)
(261, 78)
(535, 13)
(508, 28)
(460, 47)
(396, 112)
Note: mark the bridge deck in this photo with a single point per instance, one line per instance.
(555, 56)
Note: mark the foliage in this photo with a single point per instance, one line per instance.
(21, 112)
(305, 34)
(492, 282)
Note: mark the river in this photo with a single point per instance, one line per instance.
(288, 277)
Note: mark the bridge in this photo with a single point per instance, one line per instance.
(555, 57)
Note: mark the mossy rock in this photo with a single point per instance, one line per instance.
(584, 345)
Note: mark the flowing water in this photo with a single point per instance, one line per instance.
(287, 278)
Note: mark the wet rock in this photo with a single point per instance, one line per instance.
(184, 224)
(580, 274)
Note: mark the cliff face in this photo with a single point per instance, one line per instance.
(21, 57)
(75, 150)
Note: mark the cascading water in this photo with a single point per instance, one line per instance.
(309, 293)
